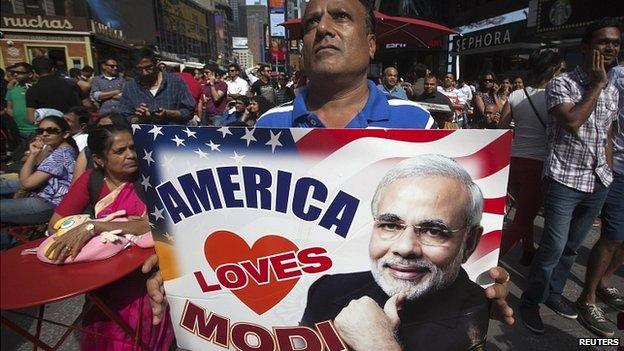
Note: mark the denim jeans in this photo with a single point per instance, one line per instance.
(27, 210)
(9, 186)
(568, 216)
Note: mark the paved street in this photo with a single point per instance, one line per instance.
(561, 333)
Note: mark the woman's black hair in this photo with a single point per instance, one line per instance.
(64, 126)
(542, 64)
(99, 139)
(263, 105)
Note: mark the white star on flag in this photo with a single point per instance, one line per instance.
(274, 142)
(156, 130)
(190, 133)
(135, 127)
(168, 236)
(213, 146)
(237, 158)
(201, 153)
(145, 182)
(158, 213)
(148, 157)
(249, 135)
(224, 131)
(178, 141)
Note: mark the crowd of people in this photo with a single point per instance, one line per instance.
(67, 145)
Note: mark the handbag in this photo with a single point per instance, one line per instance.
(100, 247)
(539, 117)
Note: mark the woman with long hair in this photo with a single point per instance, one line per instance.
(45, 176)
(486, 95)
(111, 186)
(527, 108)
(257, 107)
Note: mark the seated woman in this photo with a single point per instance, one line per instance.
(111, 186)
(45, 176)
(257, 107)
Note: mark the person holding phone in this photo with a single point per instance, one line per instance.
(155, 97)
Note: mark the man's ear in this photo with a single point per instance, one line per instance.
(474, 235)
(372, 45)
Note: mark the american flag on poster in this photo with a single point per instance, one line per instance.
(228, 197)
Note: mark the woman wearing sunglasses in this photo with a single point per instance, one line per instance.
(45, 176)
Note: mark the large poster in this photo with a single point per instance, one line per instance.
(272, 239)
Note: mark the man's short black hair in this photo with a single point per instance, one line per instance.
(263, 65)
(140, 53)
(27, 66)
(87, 69)
(82, 113)
(75, 73)
(605, 22)
(42, 65)
(236, 66)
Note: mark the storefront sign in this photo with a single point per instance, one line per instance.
(43, 23)
(259, 230)
(107, 31)
(495, 36)
(554, 15)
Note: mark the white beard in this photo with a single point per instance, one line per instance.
(436, 278)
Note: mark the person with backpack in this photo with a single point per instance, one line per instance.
(114, 184)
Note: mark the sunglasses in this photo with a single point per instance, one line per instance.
(17, 72)
(49, 130)
(112, 66)
(488, 80)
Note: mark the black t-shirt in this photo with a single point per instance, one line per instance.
(53, 92)
(266, 90)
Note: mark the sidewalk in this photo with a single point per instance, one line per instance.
(561, 333)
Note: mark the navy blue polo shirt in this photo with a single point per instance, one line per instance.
(380, 111)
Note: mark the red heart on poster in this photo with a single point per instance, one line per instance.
(223, 247)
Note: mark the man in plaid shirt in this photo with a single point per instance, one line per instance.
(577, 174)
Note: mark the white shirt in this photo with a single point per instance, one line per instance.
(252, 77)
(81, 140)
(529, 135)
(239, 86)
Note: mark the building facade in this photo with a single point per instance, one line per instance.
(57, 29)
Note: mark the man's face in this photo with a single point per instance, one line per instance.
(146, 71)
(233, 73)
(240, 106)
(431, 84)
(110, 68)
(335, 40)
(74, 124)
(391, 76)
(449, 80)
(490, 113)
(404, 263)
(20, 74)
(518, 84)
(607, 42)
(266, 72)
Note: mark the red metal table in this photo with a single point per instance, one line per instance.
(28, 282)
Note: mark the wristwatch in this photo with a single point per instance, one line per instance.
(90, 227)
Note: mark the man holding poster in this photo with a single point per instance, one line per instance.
(338, 44)
(427, 213)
